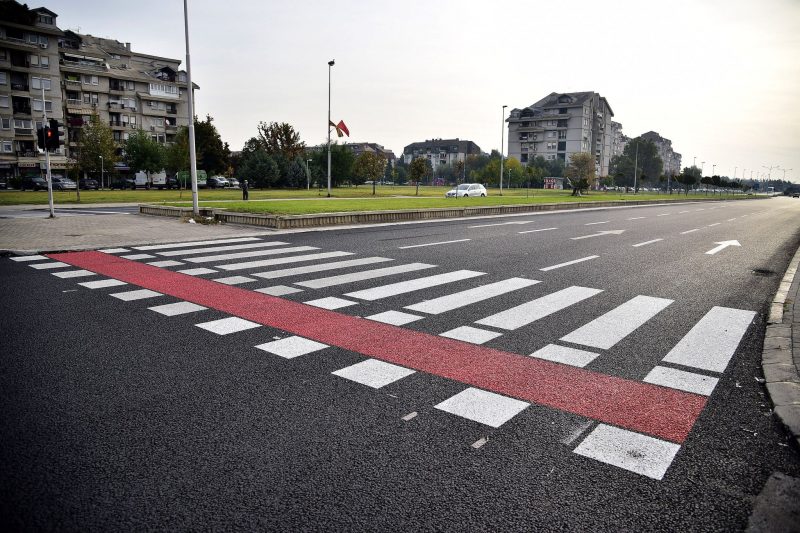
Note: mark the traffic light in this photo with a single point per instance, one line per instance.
(52, 136)
(40, 134)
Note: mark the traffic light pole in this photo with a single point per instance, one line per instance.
(45, 125)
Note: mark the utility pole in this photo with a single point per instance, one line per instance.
(45, 125)
(330, 65)
(190, 99)
(502, 142)
(635, 167)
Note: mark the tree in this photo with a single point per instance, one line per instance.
(580, 171)
(212, 154)
(177, 154)
(258, 168)
(369, 166)
(458, 171)
(280, 138)
(342, 160)
(297, 173)
(513, 171)
(418, 170)
(143, 153)
(688, 177)
(641, 154)
(96, 141)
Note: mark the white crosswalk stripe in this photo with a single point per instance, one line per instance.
(470, 296)
(567, 356)
(24, 258)
(283, 260)
(529, 312)
(73, 274)
(363, 275)
(229, 248)
(322, 267)
(374, 373)
(193, 243)
(403, 287)
(482, 406)
(251, 253)
(607, 330)
(47, 266)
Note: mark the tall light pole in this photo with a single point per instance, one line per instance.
(190, 100)
(102, 171)
(694, 160)
(635, 167)
(735, 169)
(330, 65)
(45, 126)
(502, 142)
(713, 169)
(784, 172)
(308, 176)
(702, 165)
(769, 175)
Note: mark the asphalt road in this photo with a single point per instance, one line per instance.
(41, 212)
(120, 418)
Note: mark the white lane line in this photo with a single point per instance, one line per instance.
(292, 347)
(575, 261)
(134, 257)
(701, 209)
(410, 416)
(114, 250)
(664, 215)
(177, 308)
(403, 287)
(678, 379)
(234, 280)
(282, 260)
(536, 230)
(342, 279)
(690, 231)
(279, 290)
(197, 271)
(226, 326)
(529, 312)
(249, 254)
(74, 274)
(482, 406)
(323, 267)
(194, 243)
(645, 243)
(564, 355)
(607, 330)
(23, 258)
(731, 219)
(682, 212)
(470, 334)
(229, 248)
(168, 263)
(630, 451)
(330, 303)
(714, 224)
(373, 373)
(141, 294)
(46, 266)
(480, 442)
(596, 223)
(432, 244)
(635, 218)
(515, 223)
(478, 294)
(395, 318)
(711, 343)
(102, 284)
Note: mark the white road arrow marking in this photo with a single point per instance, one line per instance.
(607, 232)
(722, 246)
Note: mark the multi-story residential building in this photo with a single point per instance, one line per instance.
(80, 75)
(671, 159)
(29, 86)
(618, 139)
(562, 124)
(441, 151)
(360, 148)
(126, 89)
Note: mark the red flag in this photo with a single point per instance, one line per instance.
(338, 131)
(341, 127)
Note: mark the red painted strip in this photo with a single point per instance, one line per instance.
(658, 411)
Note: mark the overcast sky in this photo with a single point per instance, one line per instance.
(720, 78)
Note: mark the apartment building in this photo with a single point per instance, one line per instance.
(441, 151)
(562, 124)
(29, 86)
(81, 75)
(671, 159)
(618, 139)
(360, 148)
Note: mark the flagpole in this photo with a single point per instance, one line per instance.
(330, 64)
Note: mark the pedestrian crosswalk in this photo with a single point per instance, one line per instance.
(490, 309)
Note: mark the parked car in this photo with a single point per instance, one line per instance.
(123, 183)
(173, 183)
(89, 184)
(217, 182)
(466, 189)
(34, 183)
(63, 184)
(233, 182)
(796, 195)
(3, 183)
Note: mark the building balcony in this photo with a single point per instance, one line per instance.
(23, 131)
(15, 86)
(72, 83)
(172, 111)
(28, 153)
(21, 110)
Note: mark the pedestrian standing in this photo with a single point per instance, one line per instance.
(244, 190)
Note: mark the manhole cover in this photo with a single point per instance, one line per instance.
(763, 272)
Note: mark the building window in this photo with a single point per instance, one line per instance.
(5, 123)
(38, 83)
(7, 147)
(33, 38)
(130, 85)
(90, 80)
(45, 19)
(91, 98)
(3, 101)
(551, 146)
(37, 105)
(523, 158)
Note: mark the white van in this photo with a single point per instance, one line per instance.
(154, 180)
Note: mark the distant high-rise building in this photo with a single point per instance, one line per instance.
(441, 151)
(670, 158)
(562, 124)
(618, 139)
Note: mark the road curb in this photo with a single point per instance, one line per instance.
(780, 357)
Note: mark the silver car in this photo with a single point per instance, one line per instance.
(466, 189)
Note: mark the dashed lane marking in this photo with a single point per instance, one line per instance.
(432, 244)
(645, 243)
(690, 231)
(662, 412)
(596, 223)
(568, 263)
(536, 230)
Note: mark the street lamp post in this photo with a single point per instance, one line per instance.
(694, 160)
(330, 66)
(502, 142)
(102, 172)
(308, 176)
(190, 102)
(702, 166)
(713, 169)
(635, 167)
